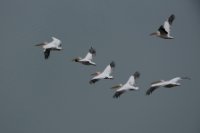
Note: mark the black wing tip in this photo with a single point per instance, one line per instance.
(162, 30)
(93, 81)
(112, 64)
(46, 54)
(171, 18)
(148, 92)
(116, 95)
(137, 74)
(92, 50)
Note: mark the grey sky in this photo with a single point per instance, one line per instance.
(54, 95)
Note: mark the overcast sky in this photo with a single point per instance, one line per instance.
(54, 95)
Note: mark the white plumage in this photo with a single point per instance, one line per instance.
(87, 60)
(164, 30)
(106, 74)
(55, 45)
(167, 84)
(130, 85)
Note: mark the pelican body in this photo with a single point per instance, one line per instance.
(54, 45)
(167, 84)
(106, 74)
(87, 60)
(164, 30)
(130, 85)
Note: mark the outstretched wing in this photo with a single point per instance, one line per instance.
(90, 54)
(133, 77)
(118, 94)
(46, 53)
(93, 81)
(168, 23)
(109, 68)
(171, 19)
(131, 80)
(150, 90)
(162, 30)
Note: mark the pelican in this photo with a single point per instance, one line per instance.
(128, 86)
(87, 60)
(164, 30)
(55, 45)
(167, 84)
(106, 74)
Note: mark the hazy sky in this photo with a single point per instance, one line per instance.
(54, 95)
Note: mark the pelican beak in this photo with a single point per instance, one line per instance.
(116, 86)
(41, 44)
(154, 33)
(95, 74)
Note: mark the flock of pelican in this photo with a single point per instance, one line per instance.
(162, 32)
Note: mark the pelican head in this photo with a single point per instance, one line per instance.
(77, 59)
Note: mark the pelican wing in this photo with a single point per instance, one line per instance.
(118, 93)
(171, 19)
(90, 54)
(46, 53)
(56, 41)
(176, 79)
(156, 82)
(93, 81)
(133, 77)
(162, 30)
(109, 68)
(131, 80)
(168, 23)
(151, 89)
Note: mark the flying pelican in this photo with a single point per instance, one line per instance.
(167, 84)
(88, 58)
(106, 74)
(55, 45)
(128, 86)
(164, 30)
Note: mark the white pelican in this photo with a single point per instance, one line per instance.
(164, 30)
(128, 86)
(106, 74)
(167, 84)
(55, 45)
(88, 58)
